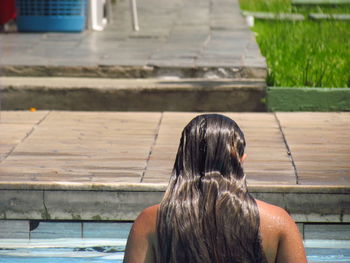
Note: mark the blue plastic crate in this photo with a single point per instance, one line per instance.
(51, 15)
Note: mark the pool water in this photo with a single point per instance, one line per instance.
(334, 251)
(333, 255)
(62, 250)
(112, 250)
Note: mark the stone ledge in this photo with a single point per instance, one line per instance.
(274, 16)
(133, 94)
(223, 70)
(340, 17)
(126, 205)
(160, 187)
(55, 83)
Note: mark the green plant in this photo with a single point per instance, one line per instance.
(266, 5)
(315, 54)
(285, 6)
(303, 53)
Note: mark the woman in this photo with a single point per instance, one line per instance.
(207, 213)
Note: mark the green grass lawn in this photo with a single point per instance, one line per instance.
(266, 5)
(304, 53)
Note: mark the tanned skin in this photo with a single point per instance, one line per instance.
(281, 239)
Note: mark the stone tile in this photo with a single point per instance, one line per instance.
(15, 128)
(14, 229)
(63, 37)
(23, 60)
(169, 23)
(254, 62)
(95, 149)
(19, 39)
(316, 151)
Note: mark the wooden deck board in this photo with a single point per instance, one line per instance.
(84, 147)
(320, 145)
(114, 147)
(14, 127)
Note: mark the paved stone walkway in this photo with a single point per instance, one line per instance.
(178, 34)
(52, 147)
(77, 163)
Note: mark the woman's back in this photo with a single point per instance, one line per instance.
(281, 240)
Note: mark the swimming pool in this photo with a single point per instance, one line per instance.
(62, 251)
(53, 243)
(112, 250)
(327, 250)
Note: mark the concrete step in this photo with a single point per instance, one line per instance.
(161, 94)
(251, 68)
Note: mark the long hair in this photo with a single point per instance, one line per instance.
(207, 214)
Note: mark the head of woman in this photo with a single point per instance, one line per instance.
(210, 145)
(207, 214)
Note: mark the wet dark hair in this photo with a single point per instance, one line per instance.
(207, 214)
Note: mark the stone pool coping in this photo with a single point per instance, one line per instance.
(161, 187)
(322, 204)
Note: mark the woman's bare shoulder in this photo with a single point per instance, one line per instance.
(279, 230)
(149, 212)
(140, 247)
(147, 220)
(277, 217)
(273, 213)
(148, 215)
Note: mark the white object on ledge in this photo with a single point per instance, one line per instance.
(98, 16)
(250, 20)
(135, 19)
